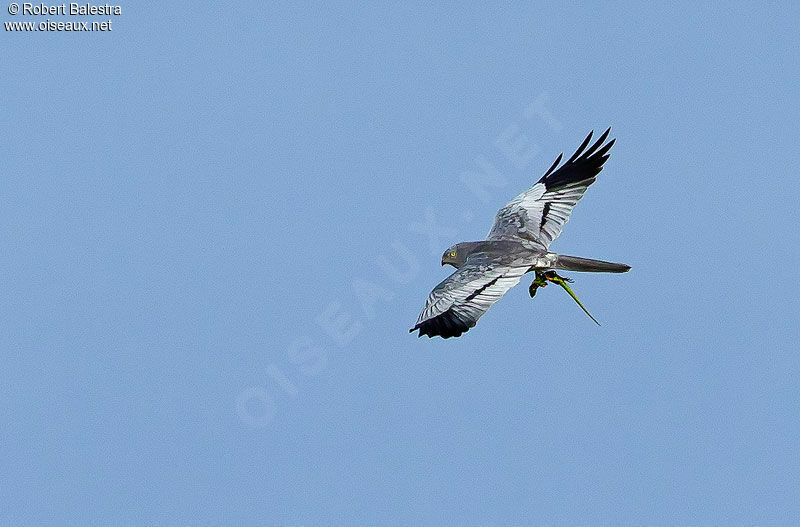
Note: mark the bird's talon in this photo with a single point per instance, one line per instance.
(556, 278)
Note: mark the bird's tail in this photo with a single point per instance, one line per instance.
(587, 265)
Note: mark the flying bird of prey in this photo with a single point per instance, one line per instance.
(517, 243)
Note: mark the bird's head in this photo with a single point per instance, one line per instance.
(455, 256)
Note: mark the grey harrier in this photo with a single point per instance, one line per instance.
(518, 243)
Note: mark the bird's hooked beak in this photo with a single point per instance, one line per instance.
(448, 259)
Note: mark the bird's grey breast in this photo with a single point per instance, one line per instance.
(507, 252)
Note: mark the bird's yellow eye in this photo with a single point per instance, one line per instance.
(452, 254)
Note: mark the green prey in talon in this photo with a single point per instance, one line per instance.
(551, 276)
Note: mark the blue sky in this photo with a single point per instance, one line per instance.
(219, 222)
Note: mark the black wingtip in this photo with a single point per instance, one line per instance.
(602, 152)
(555, 164)
(597, 144)
(583, 165)
(580, 148)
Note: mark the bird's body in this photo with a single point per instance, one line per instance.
(517, 243)
(510, 252)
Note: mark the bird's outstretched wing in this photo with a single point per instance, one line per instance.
(456, 304)
(539, 213)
